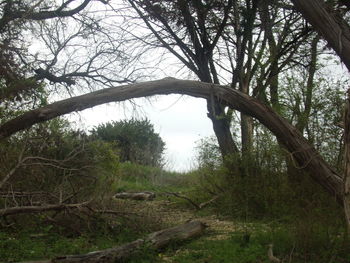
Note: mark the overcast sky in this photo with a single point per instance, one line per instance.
(180, 121)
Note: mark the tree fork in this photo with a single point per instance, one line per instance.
(300, 149)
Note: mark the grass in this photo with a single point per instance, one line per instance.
(22, 246)
(135, 177)
(45, 243)
(236, 248)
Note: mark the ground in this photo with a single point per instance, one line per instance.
(219, 231)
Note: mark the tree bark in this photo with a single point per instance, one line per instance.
(156, 240)
(329, 24)
(347, 162)
(303, 152)
(221, 127)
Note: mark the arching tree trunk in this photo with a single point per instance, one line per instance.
(305, 154)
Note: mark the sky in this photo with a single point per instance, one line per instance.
(180, 121)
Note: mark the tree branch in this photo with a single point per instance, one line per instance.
(330, 25)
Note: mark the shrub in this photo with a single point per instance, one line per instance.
(136, 140)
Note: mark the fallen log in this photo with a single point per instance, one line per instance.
(146, 196)
(155, 241)
(39, 209)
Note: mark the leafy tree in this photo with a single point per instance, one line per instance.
(136, 139)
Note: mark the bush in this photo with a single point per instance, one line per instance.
(136, 140)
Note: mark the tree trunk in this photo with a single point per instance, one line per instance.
(347, 161)
(246, 126)
(221, 127)
(156, 240)
(247, 134)
(305, 154)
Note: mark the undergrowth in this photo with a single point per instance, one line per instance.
(302, 222)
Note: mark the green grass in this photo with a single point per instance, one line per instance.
(45, 243)
(288, 246)
(134, 177)
(18, 247)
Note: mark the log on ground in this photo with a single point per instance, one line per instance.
(146, 196)
(155, 241)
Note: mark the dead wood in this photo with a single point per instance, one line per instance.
(155, 241)
(39, 209)
(300, 149)
(194, 204)
(204, 204)
(146, 196)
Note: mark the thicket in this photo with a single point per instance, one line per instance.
(301, 219)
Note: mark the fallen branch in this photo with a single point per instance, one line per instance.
(155, 241)
(147, 196)
(204, 204)
(185, 198)
(196, 206)
(39, 209)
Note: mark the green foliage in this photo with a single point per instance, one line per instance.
(136, 140)
(208, 153)
(321, 125)
(55, 157)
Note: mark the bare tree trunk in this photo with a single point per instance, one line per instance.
(246, 125)
(304, 154)
(347, 161)
(246, 133)
(221, 127)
